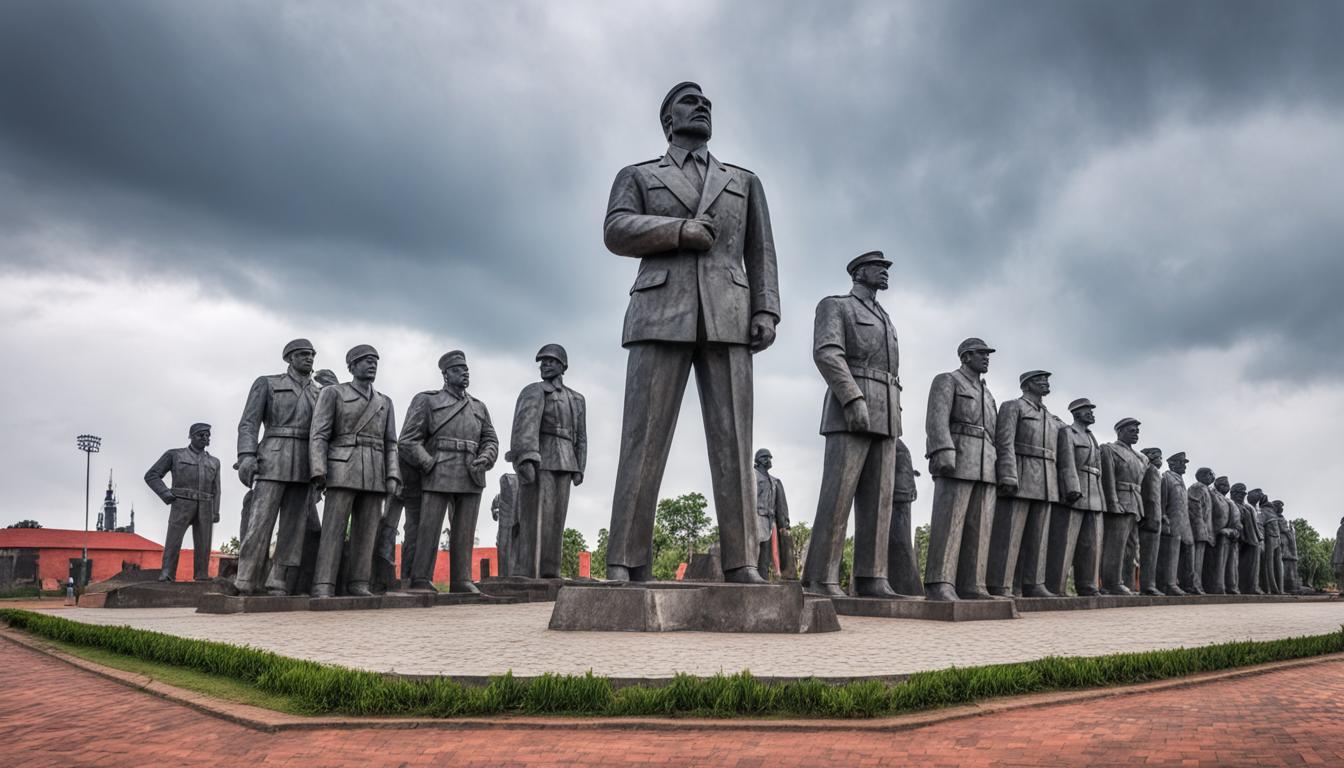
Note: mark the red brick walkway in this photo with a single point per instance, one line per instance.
(54, 714)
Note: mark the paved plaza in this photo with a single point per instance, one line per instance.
(476, 640)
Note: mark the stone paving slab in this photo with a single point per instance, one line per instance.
(928, 610)
(470, 641)
(217, 603)
(1076, 603)
(678, 607)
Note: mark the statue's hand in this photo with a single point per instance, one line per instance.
(856, 415)
(393, 486)
(527, 472)
(943, 462)
(762, 331)
(1073, 496)
(578, 478)
(247, 469)
(1007, 489)
(215, 517)
(319, 483)
(166, 497)
(697, 235)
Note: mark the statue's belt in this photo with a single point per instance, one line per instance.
(962, 428)
(192, 494)
(293, 433)
(1090, 470)
(368, 441)
(1123, 486)
(1034, 451)
(873, 374)
(453, 444)
(560, 432)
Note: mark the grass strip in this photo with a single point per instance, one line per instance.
(311, 688)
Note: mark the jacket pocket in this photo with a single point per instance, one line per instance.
(739, 278)
(340, 453)
(650, 279)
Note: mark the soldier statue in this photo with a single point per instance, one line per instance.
(1122, 470)
(1200, 507)
(772, 514)
(1150, 527)
(504, 511)
(706, 297)
(549, 451)
(1337, 554)
(194, 501)
(1288, 547)
(1220, 562)
(1272, 559)
(352, 454)
(1026, 439)
(274, 464)
(449, 438)
(1248, 575)
(1075, 521)
(1178, 541)
(959, 440)
(902, 561)
(854, 346)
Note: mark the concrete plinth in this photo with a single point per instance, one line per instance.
(929, 610)
(216, 602)
(526, 588)
(1073, 603)
(142, 589)
(692, 607)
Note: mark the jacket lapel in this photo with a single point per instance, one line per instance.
(717, 179)
(453, 410)
(370, 410)
(672, 176)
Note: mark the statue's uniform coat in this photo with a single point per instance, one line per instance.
(1076, 528)
(550, 427)
(194, 500)
(1122, 470)
(1215, 555)
(1271, 559)
(504, 509)
(1150, 530)
(1025, 442)
(1200, 510)
(772, 511)
(902, 562)
(1177, 562)
(1252, 542)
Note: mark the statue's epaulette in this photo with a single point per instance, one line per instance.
(738, 167)
(429, 391)
(658, 159)
(842, 296)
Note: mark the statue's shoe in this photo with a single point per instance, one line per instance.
(940, 592)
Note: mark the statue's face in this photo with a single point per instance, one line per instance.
(302, 360)
(1222, 486)
(977, 360)
(1037, 385)
(874, 276)
(1155, 459)
(1086, 415)
(689, 115)
(1177, 465)
(1204, 475)
(1254, 497)
(1128, 434)
(200, 438)
(457, 376)
(365, 368)
(1239, 496)
(550, 368)
(765, 461)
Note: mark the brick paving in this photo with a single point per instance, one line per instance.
(54, 714)
(473, 640)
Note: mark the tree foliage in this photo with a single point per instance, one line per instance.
(25, 524)
(598, 565)
(230, 547)
(572, 545)
(1313, 555)
(684, 520)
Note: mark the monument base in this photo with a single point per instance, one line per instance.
(1075, 603)
(526, 588)
(216, 602)
(928, 610)
(677, 606)
(142, 589)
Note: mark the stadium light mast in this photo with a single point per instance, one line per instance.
(89, 444)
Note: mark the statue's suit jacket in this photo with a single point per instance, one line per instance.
(1175, 508)
(1078, 459)
(854, 347)
(1026, 439)
(1201, 513)
(772, 508)
(1251, 533)
(735, 279)
(353, 440)
(1151, 490)
(550, 428)
(962, 416)
(1288, 535)
(1122, 470)
(1221, 512)
(195, 483)
(284, 404)
(443, 435)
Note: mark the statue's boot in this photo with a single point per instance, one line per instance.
(420, 585)
(618, 573)
(873, 586)
(816, 588)
(941, 591)
(324, 590)
(463, 586)
(998, 592)
(1174, 591)
(1036, 590)
(358, 589)
(747, 574)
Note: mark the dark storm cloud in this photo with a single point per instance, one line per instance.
(454, 169)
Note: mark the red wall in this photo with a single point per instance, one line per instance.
(486, 553)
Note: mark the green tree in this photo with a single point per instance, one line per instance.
(571, 546)
(230, 547)
(921, 548)
(1313, 557)
(800, 533)
(25, 524)
(598, 565)
(684, 520)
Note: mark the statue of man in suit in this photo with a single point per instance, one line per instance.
(1150, 527)
(1178, 541)
(193, 501)
(1251, 541)
(352, 452)
(772, 515)
(1026, 439)
(1122, 470)
(706, 298)
(1075, 522)
(855, 349)
(1229, 537)
(1271, 567)
(1200, 507)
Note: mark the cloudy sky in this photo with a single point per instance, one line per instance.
(1143, 198)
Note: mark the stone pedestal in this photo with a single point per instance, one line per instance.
(692, 607)
(526, 588)
(929, 610)
(216, 602)
(142, 589)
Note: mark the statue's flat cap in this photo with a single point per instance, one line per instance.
(1125, 422)
(360, 351)
(1238, 486)
(295, 346)
(672, 94)
(1081, 403)
(1177, 456)
(1029, 375)
(556, 351)
(1220, 477)
(199, 426)
(871, 257)
(449, 359)
(1151, 451)
(973, 345)
(764, 452)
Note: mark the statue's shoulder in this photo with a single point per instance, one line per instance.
(740, 169)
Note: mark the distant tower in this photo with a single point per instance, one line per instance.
(107, 519)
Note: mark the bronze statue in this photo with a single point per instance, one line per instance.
(549, 450)
(1251, 541)
(772, 514)
(1122, 470)
(1225, 524)
(706, 297)
(504, 511)
(193, 501)
(449, 438)
(274, 464)
(1176, 561)
(902, 560)
(1150, 527)
(1200, 508)
(1271, 568)
(959, 440)
(1025, 439)
(855, 349)
(1076, 520)
(352, 454)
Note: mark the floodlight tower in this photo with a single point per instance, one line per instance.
(89, 444)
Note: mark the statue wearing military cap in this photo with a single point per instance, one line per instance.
(1248, 545)
(273, 461)
(1199, 508)
(549, 452)
(1076, 518)
(193, 501)
(772, 518)
(1176, 563)
(1122, 471)
(1026, 440)
(1271, 561)
(960, 428)
(1150, 526)
(855, 349)
(352, 453)
(706, 296)
(449, 438)
(1229, 534)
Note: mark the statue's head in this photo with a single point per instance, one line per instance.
(1127, 431)
(1239, 492)
(553, 361)
(300, 356)
(1154, 456)
(1222, 485)
(1178, 462)
(199, 434)
(1278, 507)
(870, 269)
(686, 112)
(326, 377)
(1035, 383)
(1083, 411)
(362, 362)
(764, 459)
(1255, 496)
(1204, 475)
(974, 354)
(456, 375)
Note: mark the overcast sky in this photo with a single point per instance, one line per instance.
(1144, 198)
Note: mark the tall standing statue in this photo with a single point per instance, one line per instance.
(1025, 440)
(1272, 559)
(902, 560)
(1200, 508)
(1216, 559)
(772, 514)
(854, 347)
(1122, 470)
(1288, 548)
(959, 439)
(352, 454)
(193, 501)
(274, 464)
(1178, 541)
(1248, 576)
(707, 297)
(449, 437)
(1150, 527)
(549, 451)
(1075, 522)
(504, 510)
